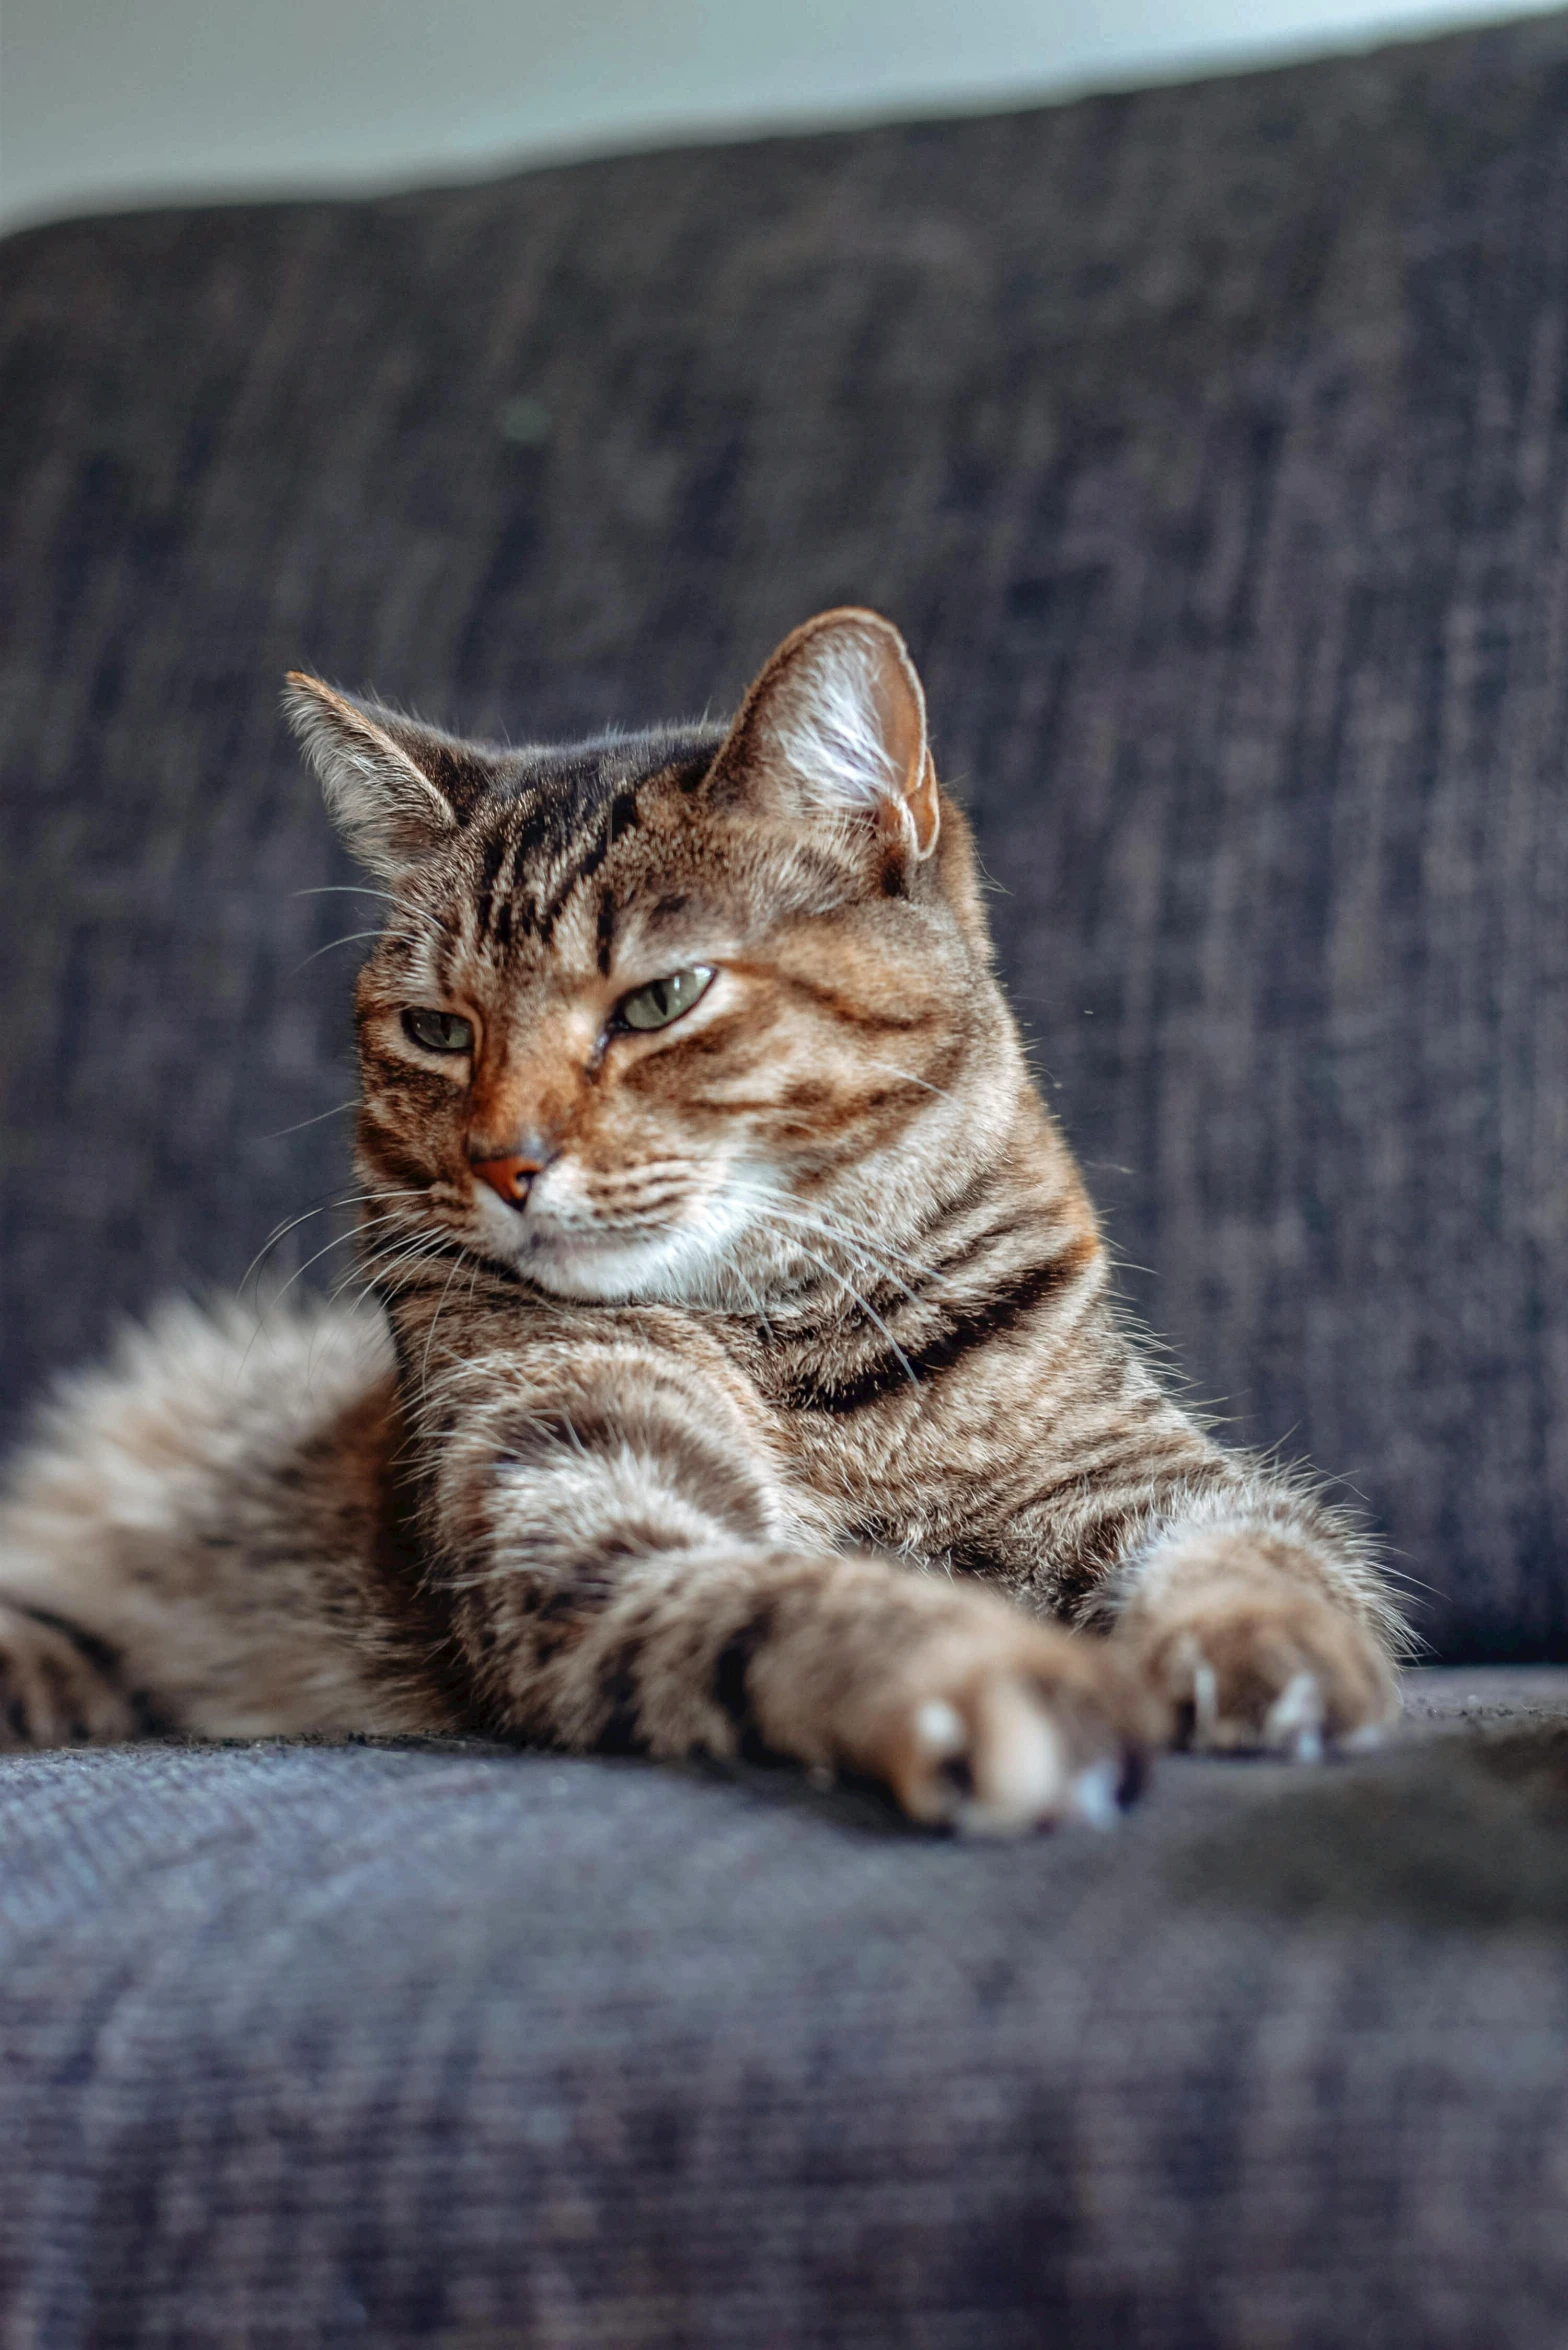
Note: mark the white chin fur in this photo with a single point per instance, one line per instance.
(676, 1267)
(643, 1269)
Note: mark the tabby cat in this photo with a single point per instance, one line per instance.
(736, 1368)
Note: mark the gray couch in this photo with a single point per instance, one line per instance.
(1211, 445)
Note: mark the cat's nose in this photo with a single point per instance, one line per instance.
(509, 1178)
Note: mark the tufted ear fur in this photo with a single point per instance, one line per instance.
(396, 790)
(837, 718)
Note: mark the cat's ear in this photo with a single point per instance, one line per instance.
(395, 789)
(838, 721)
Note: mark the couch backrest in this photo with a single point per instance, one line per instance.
(1211, 445)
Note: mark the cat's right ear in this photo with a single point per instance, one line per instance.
(836, 726)
(395, 789)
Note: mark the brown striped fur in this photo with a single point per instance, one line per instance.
(784, 1409)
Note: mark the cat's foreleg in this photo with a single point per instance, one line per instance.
(623, 1574)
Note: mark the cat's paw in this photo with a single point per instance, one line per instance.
(1255, 1669)
(56, 1687)
(1001, 1725)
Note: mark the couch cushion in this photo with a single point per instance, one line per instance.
(450, 2046)
(1212, 447)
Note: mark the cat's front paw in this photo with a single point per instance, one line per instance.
(1255, 1668)
(999, 1725)
(56, 1687)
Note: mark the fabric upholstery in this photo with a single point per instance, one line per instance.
(304, 2047)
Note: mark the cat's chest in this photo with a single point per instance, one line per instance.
(888, 1464)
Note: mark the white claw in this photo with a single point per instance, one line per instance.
(940, 1728)
(1094, 1795)
(1205, 1693)
(1295, 1719)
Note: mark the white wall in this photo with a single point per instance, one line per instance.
(108, 102)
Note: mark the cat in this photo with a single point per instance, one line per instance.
(737, 1367)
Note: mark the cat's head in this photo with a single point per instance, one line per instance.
(653, 1016)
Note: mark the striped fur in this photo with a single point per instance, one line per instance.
(787, 1410)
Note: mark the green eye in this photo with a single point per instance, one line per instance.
(439, 1032)
(664, 1000)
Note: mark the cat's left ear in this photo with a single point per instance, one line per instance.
(396, 789)
(837, 719)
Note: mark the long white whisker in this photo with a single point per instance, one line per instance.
(835, 1221)
(336, 1111)
(770, 1209)
(910, 1078)
(430, 1335)
(395, 1240)
(292, 1224)
(864, 1304)
(866, 1308)
(356, 889)
(272, 1304)
(757, 1306)
(388, 1261)
(735, 1273)
(340, 1240)
(841, 1228)
(373, 1276)
(351, 938)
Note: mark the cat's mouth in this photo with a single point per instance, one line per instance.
(663, 1247)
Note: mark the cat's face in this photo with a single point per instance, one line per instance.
(667, 1017)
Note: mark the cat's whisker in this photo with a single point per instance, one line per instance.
(839, 1222)
(430, 1335)
(399, 1239)
(736, 1275)
(364, 1269)
(382, 1285)
(336, 1111)
(354, 889)
(339, 1240)
(280, 1232)
(752, 1292)
(398, 1216)
(352, 938)
(272, 1304)
(831, 1223)
(378, 1272)
(866, 1260)
(772, 1211)
(865, 1306)
(909, 1077)
(356, 1234)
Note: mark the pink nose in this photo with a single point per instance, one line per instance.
(509, 1178)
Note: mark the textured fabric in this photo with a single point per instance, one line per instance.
(1212, 447)
(304, 2047)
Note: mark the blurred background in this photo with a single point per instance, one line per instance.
(113, 102)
